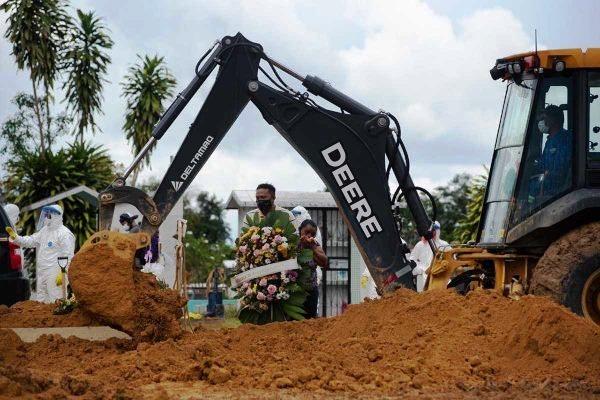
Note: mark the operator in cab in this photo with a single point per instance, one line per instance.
(265, 203)
(557, 154)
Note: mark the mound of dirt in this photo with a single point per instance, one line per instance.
(107, 287)
(33, 314)
(405, 345)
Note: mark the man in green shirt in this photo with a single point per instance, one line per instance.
(265, 203)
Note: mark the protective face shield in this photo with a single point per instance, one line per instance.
(438, 230)
(543, 127)
(50, 216)
(12, 211)
(301, 213)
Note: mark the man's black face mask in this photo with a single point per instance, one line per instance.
(264, 205)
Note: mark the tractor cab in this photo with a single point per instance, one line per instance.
(545, 174)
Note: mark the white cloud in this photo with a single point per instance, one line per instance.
(404, 57)
(430, 72)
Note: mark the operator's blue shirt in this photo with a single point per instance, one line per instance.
(556, 162)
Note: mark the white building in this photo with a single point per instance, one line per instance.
(341, 281)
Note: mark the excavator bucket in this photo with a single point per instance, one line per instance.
(117, 241)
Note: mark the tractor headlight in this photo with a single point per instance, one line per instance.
(560, 66)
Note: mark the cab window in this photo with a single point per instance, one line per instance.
(594, 120)
(548, 161)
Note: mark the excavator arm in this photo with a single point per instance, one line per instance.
(348, 150)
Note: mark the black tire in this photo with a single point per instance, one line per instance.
(567, 265)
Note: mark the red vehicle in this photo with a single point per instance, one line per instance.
(14, 285)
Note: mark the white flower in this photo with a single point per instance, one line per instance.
(285, 295)
(267, 261)
(285, 280)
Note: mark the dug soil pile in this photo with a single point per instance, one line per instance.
(433, 345)
(32, 314)
(108, 288)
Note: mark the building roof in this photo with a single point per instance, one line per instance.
(288, 199)
(84, 192)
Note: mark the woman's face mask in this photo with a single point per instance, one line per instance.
(126, 227)
(543, 127)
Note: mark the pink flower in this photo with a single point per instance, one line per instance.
(248, 292)
(277, 239)
(242, 249)
(266, 246)
(271, 289)
(263, 282)
(269, 298)
(260, 296)
(256, 253)
(245, 285)
(254, 238)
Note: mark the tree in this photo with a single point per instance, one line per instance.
(468, 226)
(37, 30)
(145, 87)
(85, 65)
(31, 178)
(452, 200)
(18, 133)
(202, 256)
(205, 218)
(408, 229)
(42, 33)
(206, 241)
(149, 185)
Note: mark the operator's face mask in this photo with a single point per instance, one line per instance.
(125, 226)
(264, 205)
(543, 127)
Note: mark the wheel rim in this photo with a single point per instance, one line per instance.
(590, 298)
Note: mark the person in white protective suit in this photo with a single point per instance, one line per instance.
(422, 255)
(368, 289)
(301, 214)
(51, 240)
(12, 212)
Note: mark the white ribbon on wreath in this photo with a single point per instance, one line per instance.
(268, 269)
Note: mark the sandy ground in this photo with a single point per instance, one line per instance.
(435, 345)
(432, 345)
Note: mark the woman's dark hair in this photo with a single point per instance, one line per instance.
(307, 222)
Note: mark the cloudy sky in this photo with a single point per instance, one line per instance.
(425, 61)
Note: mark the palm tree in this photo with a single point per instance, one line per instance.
(145, 87)
(37, 30)
(86, 63)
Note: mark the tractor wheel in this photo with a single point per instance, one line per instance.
(569, 271)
